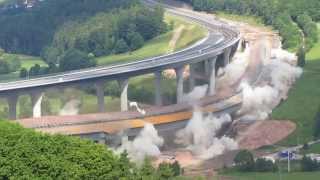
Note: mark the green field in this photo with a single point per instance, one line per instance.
(315, 148)
(304, 100)
(274, 176)
(26, 62)
(160, 45)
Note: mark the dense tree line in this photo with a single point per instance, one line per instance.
(245, 162)
(307, 164)
(26, 154)
(309, 29)
(284, 15)
(118, 31)
(68, 34)
(29, 31)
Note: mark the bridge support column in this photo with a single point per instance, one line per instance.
(158, 93)
(192, 80)
(36, 99)
(179, 78)
(100, 96)
(226, 56)
(12, 103)
(123, 83)
(212, 77)
(206, 67)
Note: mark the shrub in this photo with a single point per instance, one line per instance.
(74, 59)
(23, 73)
(307, 164)
(244, 161)
(121, 46)
(263, 165)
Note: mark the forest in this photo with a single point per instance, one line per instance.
(59, 29)
(287, 16)
(26, 154)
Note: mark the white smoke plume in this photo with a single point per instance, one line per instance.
(197, 93)
(70, 108)
(147, 143)
(279, 75)
(257, 101)
(200, 135)
(236, 68)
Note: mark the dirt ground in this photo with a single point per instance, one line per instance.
(262, 133)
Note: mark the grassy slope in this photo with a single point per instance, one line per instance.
(304, 100)
(159, 45)
(26, 62)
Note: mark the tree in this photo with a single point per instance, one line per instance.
(121, 47)
(176, 168)
(147, 171)
(14, 63)
(263, 165)
(307, 164)
(51, 55)
(4, 67)
(136, 41)
(1, 52)
(244, 161)
(316, 133)
(35, 70)
(74, 59)
(23, 73)
(165, 171)
(32, 155)
(301, 54)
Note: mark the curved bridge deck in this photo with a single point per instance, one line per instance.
(111, 123)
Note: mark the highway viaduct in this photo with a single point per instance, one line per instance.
(213, 52)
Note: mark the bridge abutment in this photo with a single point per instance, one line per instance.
(158, 90)
(123, 83)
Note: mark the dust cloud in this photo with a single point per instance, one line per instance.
(70, 108)
(279, 74)
(147, 143)
(199, 136)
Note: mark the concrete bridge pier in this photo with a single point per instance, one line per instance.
(158, 91)
(12, 103)
(179, 78)
(100, 96)
(36, 100)
(226, 56)
(212, 76)
(206, 67)
(123, 83)
(234, 49)
(192, 80)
